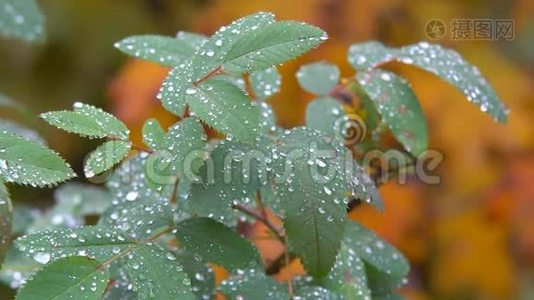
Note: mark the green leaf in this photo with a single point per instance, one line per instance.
(386, 267)
(328, 116)
(153, 134)
(212, 53)
(317, 292)
(201, 275)
(271, 45)
(139, 218)
(67, 278)
(158, 271)
(230, 175)
(224, 107)
(74, 201)
(105, 156)
(444, 63)
(90, 199)
(22, 19)
(163, 50)
(397, 104)
(267, 119)
(318, 78)
(98, 242)
(265, 83)
(253, 284)
(362, 187)
(216, 243)
(368, 55)
(206, 60)
(155, 273)
(16, 268)
(310, 184)
(6, 217)
(173, 90)
(25, 162)
(135, 180)
(182, 139)
(22, 131)
(348, 277)
(87, 120)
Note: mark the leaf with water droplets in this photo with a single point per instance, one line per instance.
(267, 119)
(155, 273)
(153, 134)
(98, 242)
(212, 53)
(271, 45)
(394, 99)
(317, 292)
(318, 78)
(201, 274)
(74, 201)
(368, 55)
(252, 284)
(135, 179)
(179, 82)
(73, 277)
(173, 90)
(224, 107)
(105, 156)
(26, 162)
(265, 83)
(328, 116)
(310, 185)
(230, 175)
(22, 131)
(442, 62)
(22, 19)
(348, 276)
(163, 50)
(216, 243)
(6, 215)
(16, 268)
(362, 187)
(139, 219)
(386, 267)
(182, 140)
(87, 120)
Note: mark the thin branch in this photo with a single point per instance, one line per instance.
(173, 199)
(261, 218)
(211, 74)
(142, 149)
(290, 278)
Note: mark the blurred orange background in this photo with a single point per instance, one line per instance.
(470, 237)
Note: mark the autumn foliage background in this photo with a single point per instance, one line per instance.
(470, 237)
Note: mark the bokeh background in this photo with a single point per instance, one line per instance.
(470, 237)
